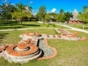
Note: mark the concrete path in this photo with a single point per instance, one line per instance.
(72, 28)
(27, 28)
(76, 29)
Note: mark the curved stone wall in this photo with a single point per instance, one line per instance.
(22, 54)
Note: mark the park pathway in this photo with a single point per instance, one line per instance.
(27, 28)
(72, 28)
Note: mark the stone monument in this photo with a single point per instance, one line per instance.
(75, 14)
(74, 19)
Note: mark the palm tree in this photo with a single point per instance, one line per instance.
(61, 11)
(85, 9)
(21, 12)
(19, 6)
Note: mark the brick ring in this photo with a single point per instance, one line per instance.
(10, 50)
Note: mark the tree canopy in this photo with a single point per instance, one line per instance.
(19, 11)
(84, 14)
(41, 13)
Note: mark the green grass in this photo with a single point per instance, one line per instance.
(13, 36)
(17, 25)
(70, 53)
(81, 26)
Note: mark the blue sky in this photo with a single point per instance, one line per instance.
(67, 5)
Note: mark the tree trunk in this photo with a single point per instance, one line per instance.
(43, 21)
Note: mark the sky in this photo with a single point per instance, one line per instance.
(52, 5)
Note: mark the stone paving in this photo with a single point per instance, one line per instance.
(47, 51)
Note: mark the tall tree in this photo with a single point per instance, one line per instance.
(61, 11)
(84, 15)
(20, 7)
(41, 13)
(1, 11)
(7, 9)
(19, 15)
(47, 17)
(50, 16)
(21, 12)
(67, 16)
(60, 16)
(85, 9)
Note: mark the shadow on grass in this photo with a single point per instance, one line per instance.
(2, 36)
(10, 27)
(30, 25)
(9, 23)
(19, 26)
(15, 25)
(84, 27)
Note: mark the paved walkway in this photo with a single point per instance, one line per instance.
(72, 28)
(28, 28)
(76, 29)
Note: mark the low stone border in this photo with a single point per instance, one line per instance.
(48, 57)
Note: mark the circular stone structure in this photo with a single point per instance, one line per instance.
(32, 34)
(22, 52)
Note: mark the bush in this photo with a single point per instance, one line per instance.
(53, 25)
(47, 25)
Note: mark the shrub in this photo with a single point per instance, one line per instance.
(53, 25)
(47, 25)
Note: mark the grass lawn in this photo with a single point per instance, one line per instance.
(70, 53)
(17, 25)
(13, 36)
(81, 26)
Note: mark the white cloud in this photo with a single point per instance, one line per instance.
(53, 10)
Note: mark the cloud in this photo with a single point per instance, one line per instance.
(53, 10)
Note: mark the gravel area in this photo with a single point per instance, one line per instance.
(47, 51)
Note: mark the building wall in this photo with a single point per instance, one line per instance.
(75, 22)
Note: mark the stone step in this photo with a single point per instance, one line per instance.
(24, 60)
